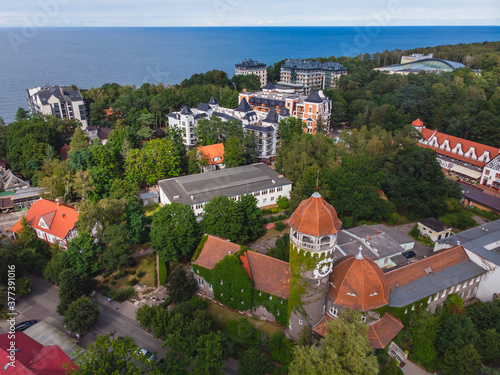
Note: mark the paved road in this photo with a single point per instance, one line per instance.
(117, 319)
(411, 368)
(7, 221)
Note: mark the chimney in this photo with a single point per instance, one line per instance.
(63, 215)
(378, 232)
(58, 201)
(367, 237)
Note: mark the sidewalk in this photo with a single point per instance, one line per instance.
(411, 368)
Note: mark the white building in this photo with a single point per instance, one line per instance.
(415, 57)
(58, 101)
(264, 183)
(434, 229)
(482, 245)
(491, 174)
(250, 66)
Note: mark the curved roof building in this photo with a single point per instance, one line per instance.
(425, 65)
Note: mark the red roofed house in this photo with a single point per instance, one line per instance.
(214, 155)
(52, 221)
(27, 357)
(457, 155)
(315, 288)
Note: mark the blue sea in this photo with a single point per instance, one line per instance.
(90, 57)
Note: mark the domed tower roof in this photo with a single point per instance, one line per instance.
(418, 123)
(358, 283)
(315, 217)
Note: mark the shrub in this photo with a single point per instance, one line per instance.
(106, 274)
(123, 295)
(116, 277)
(243, 333)
(141, 274)
(105, 281)
(162, 271)
(165, 303)
(281, 348)
(283, 203)
(282, 217)
(104, 290)
(415, 232)
(132, 272)
(280, 226)
(113, 282)
(123, 273)
(264, 220)
(132, 282)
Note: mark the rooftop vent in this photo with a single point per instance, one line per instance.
(176, 196)
(192, 196)
(281, 176)
(230, 252)
(428, 270)
(273, 181)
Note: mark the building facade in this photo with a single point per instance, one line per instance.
(53, 222)
(491, 174)
(434, 229)
(264, 183)
(59, 101)
(310, 75)
(249, 66)
(212, 157)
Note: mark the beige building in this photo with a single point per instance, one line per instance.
(250, 66)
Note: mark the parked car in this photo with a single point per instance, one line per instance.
(25, 325)
(149, 356)
(409, 254)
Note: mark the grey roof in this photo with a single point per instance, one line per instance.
(9, 180)
(243, 106)
(200, 188)
(483, 199)
(269, 86)
(314, 97)
(429, 64)
(483, 241)
(272, 116)
(28, 192)
(200, 115)
(149, 195)
(225, 116)
(284, 112)
(203, 107)
(374, 245)
(186, 111)
(395, 234)
(494, 163)
(270, 100)
(250, 63)
(172, 115)
(213, 101)
(433, 223)
(264, 129)
(414, 291)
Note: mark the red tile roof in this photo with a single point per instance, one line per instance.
(212, 152)
(466, 145)
(268, 274)
(417, 123)
(321, 327)
(383, 331)
(61, 218)
(417, 270)
(214, 250)
(358, 283)
(32, 357)
(315, 217)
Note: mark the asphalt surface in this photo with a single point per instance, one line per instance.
(116, 319)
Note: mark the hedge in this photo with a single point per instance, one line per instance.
(162, 271)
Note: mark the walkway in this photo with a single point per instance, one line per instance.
(411, 368)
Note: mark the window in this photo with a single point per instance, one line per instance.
(458, 287)
(264, 192)
(412, 307)
(443, 293)
(451, 289)
(221, 282)
(264, 200)
(478, 279)
(468, 293)
(256, 194)
(200, 282)
(300, 322)
(406, 311)
(210, 287)
(430, 299)
(271, 191)
(436, 296)
(279, 189)
(471, 281)
(363, 318)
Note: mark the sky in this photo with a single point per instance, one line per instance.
(55, 13)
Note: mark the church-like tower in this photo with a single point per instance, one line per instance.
(313, 235)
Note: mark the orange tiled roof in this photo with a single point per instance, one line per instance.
(268, 274)
(320, 328)
(466, 145)
(416, 270)
(315, 217)
(418, 123)
(211, 152)
(359, 283)
(61, 219)
(383, 331)
(214, 250)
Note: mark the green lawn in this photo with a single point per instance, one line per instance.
(150, 210)
(274, 233)
(223, 316)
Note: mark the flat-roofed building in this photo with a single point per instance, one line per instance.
(58, 101)
(249, 66)
(264, 183)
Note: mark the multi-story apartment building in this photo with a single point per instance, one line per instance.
(310, 75)
(58, 101)
(309, 108)
(250, 66)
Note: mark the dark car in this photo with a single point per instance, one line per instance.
(409, 254)
(25, 325)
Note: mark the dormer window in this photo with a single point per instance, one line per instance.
(351, 294)
(374, 294)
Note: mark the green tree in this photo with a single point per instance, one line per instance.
(344, 350)
(116, 254)
(249, 82)
(113, 357)
(21, 114)
(81, 315)
(136, 222)
(57, 264)
(234, 153)
(461, 360)
(180, 287)
(210, 354)
(96, 217)
(489, 346)
(82, 254)
(288, 127)
(223, 217)
(281, 348)
(72, 286)
(458, 331)
(252, 217)
(79, 141)
(174, 232)
(145, 315)
(252, 362)
(23, 286)
(422, 333)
